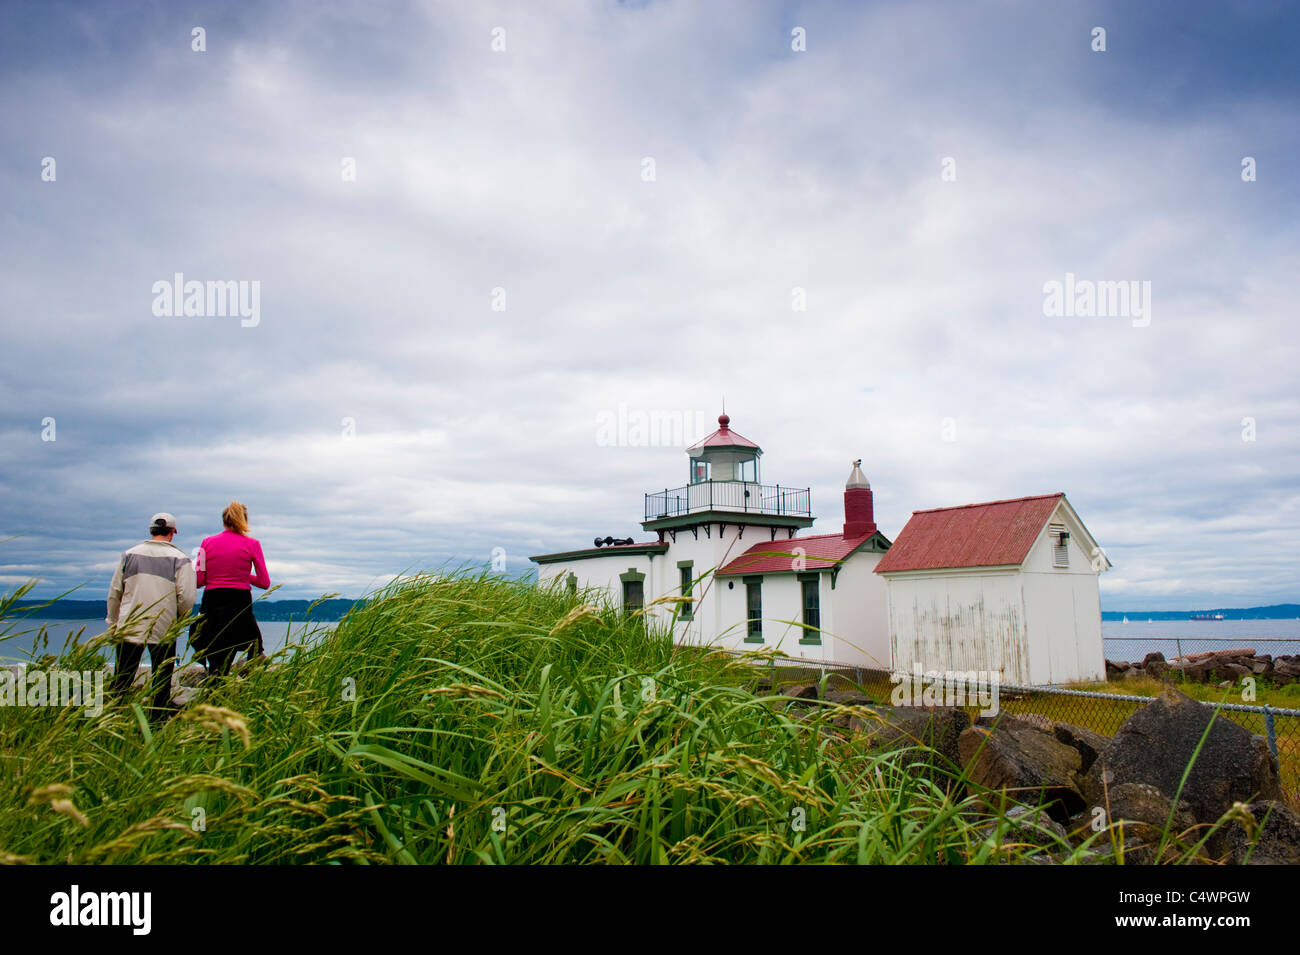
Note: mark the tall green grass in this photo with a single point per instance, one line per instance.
(473, 719)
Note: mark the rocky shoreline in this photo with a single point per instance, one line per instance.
(1212, 666)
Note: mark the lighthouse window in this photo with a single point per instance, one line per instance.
(812, 609)
(633, 595)
(747, 470)
(687, 572)
(633, 590)
(754, 609)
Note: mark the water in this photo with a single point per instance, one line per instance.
(275, 634)
(1135, 639)
(1124, 641)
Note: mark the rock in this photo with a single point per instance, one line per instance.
(1225, 656)
(1276, 843)
(1023, 761)
(800, 691)
(184, 694)
(1087, 742)
(1028, 826)
(1286, 667)
(1157, 743)
(899, 727)
(1156, 669)
(849, 698)
(192, 675)
(1143, 811)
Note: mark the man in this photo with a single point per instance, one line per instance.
(153, 586)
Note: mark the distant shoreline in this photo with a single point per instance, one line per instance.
(336, 608)
(325, 610)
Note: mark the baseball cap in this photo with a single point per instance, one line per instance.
(162, 522)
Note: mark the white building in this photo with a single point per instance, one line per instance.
(731, 544)
(1007, 586)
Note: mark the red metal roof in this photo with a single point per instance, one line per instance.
(995, 534)
(724, 437)
(820, 552)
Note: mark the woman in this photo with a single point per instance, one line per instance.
(226, 624)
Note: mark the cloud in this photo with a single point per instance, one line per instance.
(473, 428)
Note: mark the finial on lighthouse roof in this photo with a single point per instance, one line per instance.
(857, 478)
(724, 420)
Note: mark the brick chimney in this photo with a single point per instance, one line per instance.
(859, 511)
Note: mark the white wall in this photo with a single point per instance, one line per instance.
(958, 621)
(1063, 610)
(861, 613)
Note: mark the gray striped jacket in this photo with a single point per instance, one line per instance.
(152, 586)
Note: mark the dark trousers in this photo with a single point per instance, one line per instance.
(162, 661)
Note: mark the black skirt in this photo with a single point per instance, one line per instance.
(225, 623)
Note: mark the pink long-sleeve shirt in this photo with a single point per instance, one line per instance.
(224, 560)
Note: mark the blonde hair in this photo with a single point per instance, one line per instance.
(235, 517)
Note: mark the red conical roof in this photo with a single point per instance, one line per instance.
(724, 437)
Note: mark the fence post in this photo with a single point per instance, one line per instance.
(1178, 643)
(1271, 730)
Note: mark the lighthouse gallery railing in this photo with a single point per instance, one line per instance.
(729, 496)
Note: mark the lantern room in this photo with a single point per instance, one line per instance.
(724, 456)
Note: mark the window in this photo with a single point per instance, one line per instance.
(1060, 540)
(748, 471)
(633, 590)
(812, 608)
(687, 570)
(754, 609)
(699, 471)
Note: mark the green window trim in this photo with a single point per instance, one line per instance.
(686, 569)
(753, 609)
(633, 590)
(810, 603)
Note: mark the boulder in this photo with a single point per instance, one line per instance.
(1157, 743)
(899, 727)
(1027, 826)
(1023, 761)
(800, 691)
(1277, 842)
(1086, 741)
(849, 698)
(1142, 810)
(192, 675)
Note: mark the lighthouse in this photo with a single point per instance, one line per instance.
(728, 548)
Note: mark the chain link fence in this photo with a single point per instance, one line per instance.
(1098, 710)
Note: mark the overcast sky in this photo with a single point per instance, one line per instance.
(619, 213)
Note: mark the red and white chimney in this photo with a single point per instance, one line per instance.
(859, 511)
